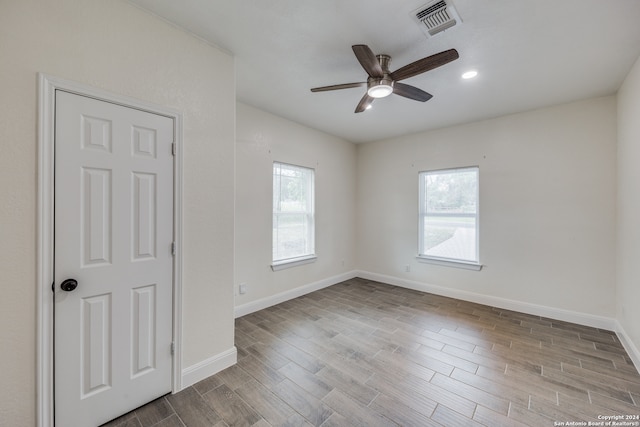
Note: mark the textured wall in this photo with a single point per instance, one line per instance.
(263, 138)
(629, 205)
(547, 205)
(114, 46)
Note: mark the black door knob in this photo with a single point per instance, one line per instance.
(69, 285)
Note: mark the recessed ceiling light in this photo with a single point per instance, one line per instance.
(470, 74)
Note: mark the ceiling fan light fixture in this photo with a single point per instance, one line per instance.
(380, 91)
(380, 87)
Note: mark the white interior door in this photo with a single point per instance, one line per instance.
(113, 237)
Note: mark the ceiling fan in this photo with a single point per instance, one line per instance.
(382, 82)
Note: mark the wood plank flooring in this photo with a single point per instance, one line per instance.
(364, 353)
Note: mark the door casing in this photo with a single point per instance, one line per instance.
(47, 85)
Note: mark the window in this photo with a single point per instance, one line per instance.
(293, 216)
(448, 212)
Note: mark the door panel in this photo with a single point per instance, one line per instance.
(113, 234)
(95, 202)
(144, 216)
(95, 344)
(143, 352)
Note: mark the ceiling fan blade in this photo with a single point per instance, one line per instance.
(425, 64)
(364, 103)
(336, 87)
(411, 92)
(368, 60)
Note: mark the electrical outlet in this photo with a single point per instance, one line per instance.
(407, 268)
(242, 289)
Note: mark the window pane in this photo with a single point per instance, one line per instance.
(449, 214)
(289, 236)
(450, 237)
(452, 192)
(292, 211)
(293, 193)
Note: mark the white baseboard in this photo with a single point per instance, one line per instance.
(493, 301)
(208, 367)
(628, 345)
(250, 307)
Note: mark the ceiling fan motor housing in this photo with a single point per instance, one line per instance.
(384, 61)
(381, 87)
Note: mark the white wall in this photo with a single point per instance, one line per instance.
(547, 206)
(261, 139)
(116, 47)
(628, 250)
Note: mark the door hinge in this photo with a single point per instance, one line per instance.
(173, 348)
(173, 148)
(53, 287)
(173, 248)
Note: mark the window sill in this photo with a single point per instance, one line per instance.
(450, 263)
(293, 262)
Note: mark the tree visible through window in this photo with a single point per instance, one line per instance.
(293, 212)
(448, 214)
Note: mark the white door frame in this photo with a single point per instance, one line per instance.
(47, 85)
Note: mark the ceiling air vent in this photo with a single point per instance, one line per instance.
(436, 17)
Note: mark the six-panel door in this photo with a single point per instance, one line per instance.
(113, 235)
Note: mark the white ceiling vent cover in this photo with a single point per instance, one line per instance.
(436, 17)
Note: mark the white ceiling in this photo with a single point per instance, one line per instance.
(529, 54)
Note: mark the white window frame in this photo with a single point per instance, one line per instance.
(309, 213)
(422, 213)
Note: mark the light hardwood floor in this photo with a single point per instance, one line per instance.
(369, 354)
